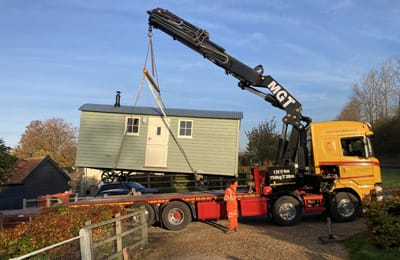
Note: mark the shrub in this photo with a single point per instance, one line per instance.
(384, 221)
(51, 226)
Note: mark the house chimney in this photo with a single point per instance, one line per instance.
(118, 99)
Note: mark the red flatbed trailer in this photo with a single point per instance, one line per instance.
(176, 210)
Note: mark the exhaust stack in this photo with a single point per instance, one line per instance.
(118, 99)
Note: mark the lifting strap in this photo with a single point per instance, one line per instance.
(153, 87)
(150, 52)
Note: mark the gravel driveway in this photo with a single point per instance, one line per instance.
(257, 238)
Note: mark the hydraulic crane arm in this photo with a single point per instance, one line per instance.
(292, 155)
(249, 78)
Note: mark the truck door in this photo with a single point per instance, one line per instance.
(356, 166)
(156, 143)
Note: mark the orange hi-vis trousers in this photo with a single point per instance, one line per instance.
(233, 219)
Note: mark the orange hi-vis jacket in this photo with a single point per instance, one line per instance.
(230, 198)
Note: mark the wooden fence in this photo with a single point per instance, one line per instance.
(111, 239)
(47, 201)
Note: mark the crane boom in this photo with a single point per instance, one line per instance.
(292, 151)
(249, 78)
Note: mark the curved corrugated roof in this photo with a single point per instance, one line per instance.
(156, 111)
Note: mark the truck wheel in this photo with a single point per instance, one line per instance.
(149, 212)
(286, 211)
(176, 216)
(345, 207)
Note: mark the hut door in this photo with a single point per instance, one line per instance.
(157, 143)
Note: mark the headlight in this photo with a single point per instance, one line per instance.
(378, 192)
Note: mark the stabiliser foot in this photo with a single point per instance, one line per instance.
(326, 189)
(331, 238)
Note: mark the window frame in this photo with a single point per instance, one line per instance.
(138, 125)
(191, 129)
(350, 147)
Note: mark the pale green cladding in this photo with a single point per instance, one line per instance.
(212, 149)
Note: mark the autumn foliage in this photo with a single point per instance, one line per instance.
(51, 226)
(53, 137)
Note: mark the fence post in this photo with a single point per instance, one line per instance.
(143, 223)
(23, 203)
(1, 221)
(118, 232)
(48, 202)
(86, 243)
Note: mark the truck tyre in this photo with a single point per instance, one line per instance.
(176, 215)
(345, 207)
(286, 211)
(149, 212)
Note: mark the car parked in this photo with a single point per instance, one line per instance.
(124, 188)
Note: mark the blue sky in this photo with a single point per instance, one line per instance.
(58, 55)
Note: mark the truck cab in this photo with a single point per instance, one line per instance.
(342, 149)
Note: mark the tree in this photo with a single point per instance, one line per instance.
(375, 98)
(7, 162)
(52, 137)
(386, 141)
(351, 111)
(263, 141)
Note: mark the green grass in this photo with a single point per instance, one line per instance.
(360, 248)
(390, 177)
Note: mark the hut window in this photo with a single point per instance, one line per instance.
(185, 128)
(132, 125)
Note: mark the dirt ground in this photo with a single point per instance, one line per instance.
(257, 238)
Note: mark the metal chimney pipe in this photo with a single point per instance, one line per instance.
(118, 99)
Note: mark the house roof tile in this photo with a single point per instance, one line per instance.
(22, 169)
(25, 167)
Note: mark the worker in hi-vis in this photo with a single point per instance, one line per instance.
(232, 206)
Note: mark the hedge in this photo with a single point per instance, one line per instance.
(51, 226)
(383, 220)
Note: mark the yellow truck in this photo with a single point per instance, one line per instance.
(312, 158)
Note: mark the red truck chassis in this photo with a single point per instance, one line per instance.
(175, 211)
